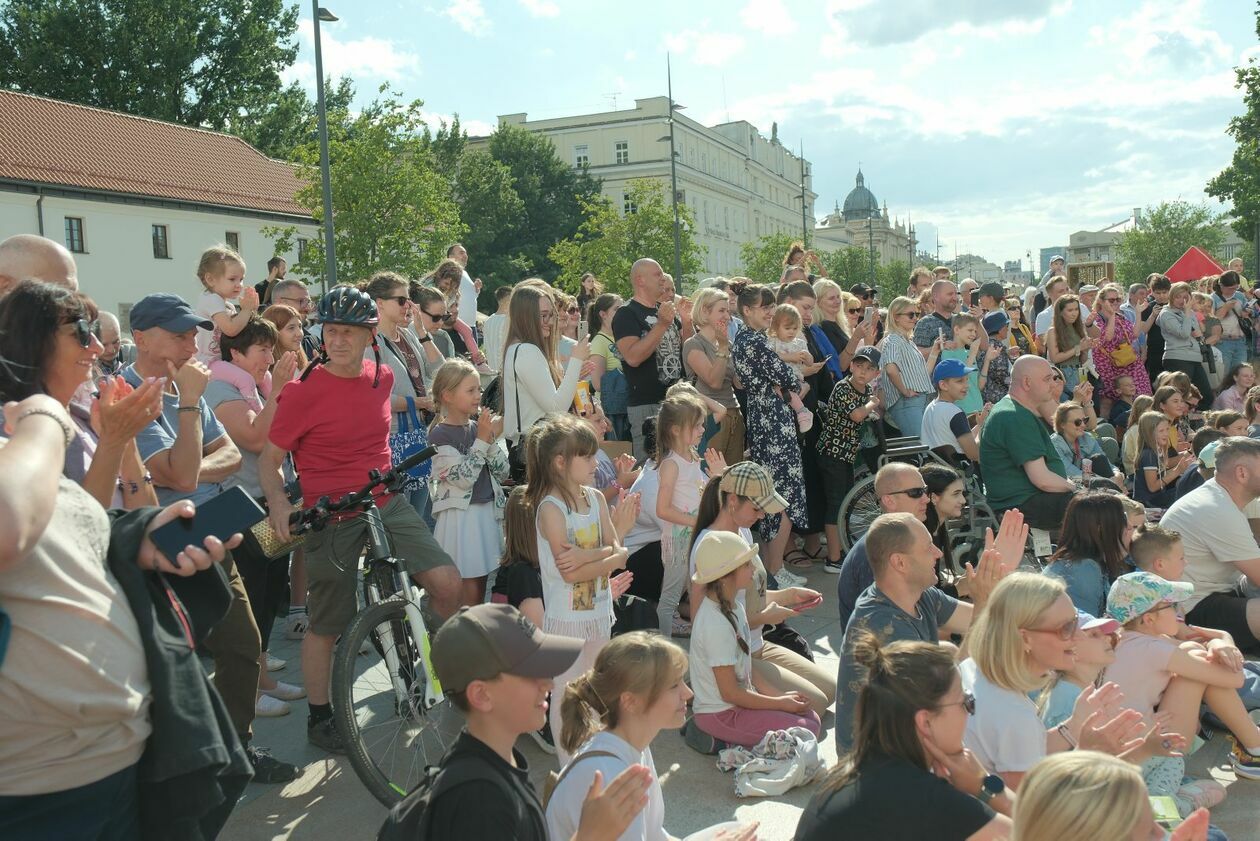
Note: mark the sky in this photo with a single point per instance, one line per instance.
(1005, 125)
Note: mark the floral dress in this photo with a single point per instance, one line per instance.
(771, 423)
(1108, 371)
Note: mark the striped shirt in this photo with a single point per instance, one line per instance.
(900, 351)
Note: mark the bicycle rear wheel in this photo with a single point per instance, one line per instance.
(389, 741)
(858, 510)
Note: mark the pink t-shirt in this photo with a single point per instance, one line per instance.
(1141, 670)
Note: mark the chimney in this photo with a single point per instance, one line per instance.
(1137, 217)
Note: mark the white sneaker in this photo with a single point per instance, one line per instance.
(268, 707)
(790, 579)
(285, 691)
(295, 626)
(274, 664)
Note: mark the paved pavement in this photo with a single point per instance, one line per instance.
(328, 801)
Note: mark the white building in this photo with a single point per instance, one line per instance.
(862, 223)
(137, 200)
(739, 185)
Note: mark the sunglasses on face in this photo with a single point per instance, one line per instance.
(854, 311)
(433, 317)
(1078, 422)
(1064, 632)
(84, 330)
(1112, 300)
(913, 316)
(968, 703)
(574, 310)
(400, 300)
(913, 493)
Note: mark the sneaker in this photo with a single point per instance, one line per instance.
(323, 734)
(680, 628)
(268, 769)
(543, 738)
(1245, 765)
(700, 741)
(285, 691)
(833, 567)
(295, 626)
(274, 664)
(789, 579)
(268, 707)
(1202, 794)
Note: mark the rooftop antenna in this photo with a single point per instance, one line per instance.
(725, 107)
(612, 97)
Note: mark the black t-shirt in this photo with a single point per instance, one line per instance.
(517, 582)
(893, 801)
(648, 380)
(479, 809)
(1154, 337)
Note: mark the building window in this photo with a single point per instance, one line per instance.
(233, 240)
(302, 245)
(74, 234)
(581, 156)
(161, 243)
(622, 150)
(627, 206)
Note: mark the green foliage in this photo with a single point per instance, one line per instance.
(850, 265)
(763, 259)
(1167, 230)
(608, 241)
(292, 119)
(394, 210)
(1239, 183)
(489, 205)
(209, 63)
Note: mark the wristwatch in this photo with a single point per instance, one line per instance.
(425, 338)
(990, 787)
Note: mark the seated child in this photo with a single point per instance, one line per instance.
(966, 349)
(1122, 406)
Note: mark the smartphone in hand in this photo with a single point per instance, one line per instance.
(231, 512)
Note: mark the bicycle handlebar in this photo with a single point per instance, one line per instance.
(315, 517)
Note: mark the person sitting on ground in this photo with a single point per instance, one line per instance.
(1122, 405)
(1202, 444)
(908, 748)
(1234, 387)
(1086, 794)
(116, 353)
(904, 602)
(1080, 452)
(1091, 549)
(1160, 672)
(497, 667)
(945, 426)
(1227, 421)
(1158, 465)
(1021, 467)
(611, 715)
(1130, 444)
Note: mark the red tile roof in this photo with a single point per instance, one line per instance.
(47, 141)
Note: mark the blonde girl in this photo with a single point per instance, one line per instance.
(611, 715)
(1131, 445)
(707, 362)
(1067, 344)
(788, 341)
(578, 547)
(222, 274)
(469, 465)
(679, 428)
(1158, 467)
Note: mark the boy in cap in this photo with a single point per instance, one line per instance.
(1157, 672)
(497, 667)
(944, 422)
(852, 401)
(996, 380)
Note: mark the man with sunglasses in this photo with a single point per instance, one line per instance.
(904, 603)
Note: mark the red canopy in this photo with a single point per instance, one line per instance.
(1192, 265)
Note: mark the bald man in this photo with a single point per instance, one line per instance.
(24, 256)
(116, 354)
(901, 490)
(649, 337)
(1021, 467)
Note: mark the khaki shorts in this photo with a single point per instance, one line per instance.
(332, 561)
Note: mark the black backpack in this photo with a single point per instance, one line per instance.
(409, 820)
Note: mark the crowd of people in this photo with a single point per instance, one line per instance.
(691, 452)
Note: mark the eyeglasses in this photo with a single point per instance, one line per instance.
(968, 703)
(913, 493)
(1078, 422)
(84, 330)
(298, 303)
(1064, 632)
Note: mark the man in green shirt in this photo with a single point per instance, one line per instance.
(1021, 468)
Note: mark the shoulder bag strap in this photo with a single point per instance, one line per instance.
(516, 391)
(575, 760)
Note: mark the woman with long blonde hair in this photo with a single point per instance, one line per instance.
(905, 381)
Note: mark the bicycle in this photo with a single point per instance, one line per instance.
(388, 705)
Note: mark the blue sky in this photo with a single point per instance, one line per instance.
(1007, 124)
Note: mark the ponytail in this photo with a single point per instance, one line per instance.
(714, 588)
(580, 713)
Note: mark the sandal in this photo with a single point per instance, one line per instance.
(799, 558)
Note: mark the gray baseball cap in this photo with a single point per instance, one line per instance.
(487, 640)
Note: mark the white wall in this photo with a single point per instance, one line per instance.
(117, 267)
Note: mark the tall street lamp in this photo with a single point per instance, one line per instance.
(673, 170)
(804, 175)
(330, 257)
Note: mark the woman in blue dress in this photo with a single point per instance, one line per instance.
(771, 423)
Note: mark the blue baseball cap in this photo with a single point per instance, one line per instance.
(995, 322)
(948, 369)
(170, 312)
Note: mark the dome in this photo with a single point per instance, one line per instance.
(860, 203)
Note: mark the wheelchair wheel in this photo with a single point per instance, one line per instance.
(858, 510)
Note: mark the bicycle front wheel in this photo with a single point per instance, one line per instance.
(390, 733)
(858, 510)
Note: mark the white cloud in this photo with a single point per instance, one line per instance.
(883, 24)
(541, 8)
(475, 128)
(468, 15)
(710, 49)
(359, 58)
(1170, 37)
(768, 17)
(630, 55)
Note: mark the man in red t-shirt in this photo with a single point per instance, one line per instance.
(335, 422)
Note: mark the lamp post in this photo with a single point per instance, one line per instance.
(870, 231)
(804, 227)
(330, 256)
(673, 173)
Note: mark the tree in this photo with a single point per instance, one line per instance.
(291, 119)
(1167, 230)
(1239, 183)
(892, 279)
(394, 210)
(489, 204)
(608, 241)
(208, 63)
(850, 265)
(763, 259)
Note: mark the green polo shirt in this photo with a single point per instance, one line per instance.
(1012, 437)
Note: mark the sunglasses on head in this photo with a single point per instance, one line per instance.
(84, 330)
(913, 493)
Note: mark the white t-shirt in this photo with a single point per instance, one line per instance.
(208, 306)
(943, 422)
(494, 333)
(467, 300)
(713, 643)
(648, 527)
(759, 582)
(1045, 320)
(1215, 535)
(1005, 734)
(564, 809)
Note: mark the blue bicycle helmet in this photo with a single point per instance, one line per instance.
(348, 305)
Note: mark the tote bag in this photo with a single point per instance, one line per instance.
(412, 437)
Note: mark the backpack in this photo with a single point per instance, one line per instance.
(409, 820)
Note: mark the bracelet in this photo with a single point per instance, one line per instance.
(189, 409)
(1067, 736)
(126, 486)
(48, 413)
